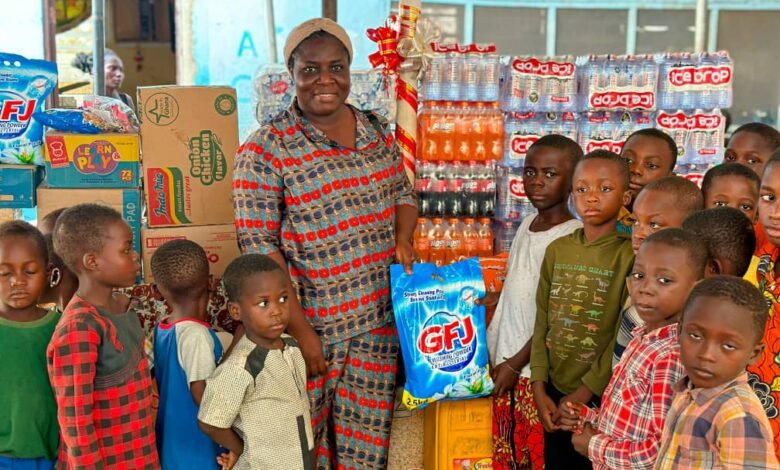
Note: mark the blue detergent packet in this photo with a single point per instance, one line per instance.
(442, 332)
(24, 86)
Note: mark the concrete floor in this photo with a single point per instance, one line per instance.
(406, 440)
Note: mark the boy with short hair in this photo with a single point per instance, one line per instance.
(752, 145)
(730, 239)
(716, 419)
(663, 203)
(651, 155)
(581, 289)
(256, 404)
(547, 174)
(186, 352)
(625, 432)
(96, 358)
(732, 185)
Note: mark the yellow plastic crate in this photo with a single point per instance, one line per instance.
(458, 435)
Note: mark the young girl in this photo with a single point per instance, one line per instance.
(28, 422)
(764, 374)
(518, 434)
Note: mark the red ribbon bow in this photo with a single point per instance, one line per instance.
(387, 55)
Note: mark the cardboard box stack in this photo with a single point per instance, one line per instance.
(100, 168)
(189, 138)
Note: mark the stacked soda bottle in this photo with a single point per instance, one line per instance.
(460, 138)
(443, 241)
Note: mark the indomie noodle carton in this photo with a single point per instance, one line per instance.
(441, 331)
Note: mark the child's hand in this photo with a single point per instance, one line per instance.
(227, 461)
(546, 407)
(489, 300)
(504, 379)
(571, 417)
(581, 440)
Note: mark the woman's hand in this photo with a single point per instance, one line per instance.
(311, 348)
(404, 254)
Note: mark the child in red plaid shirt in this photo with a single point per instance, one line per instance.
(625, 432)
(96, 357)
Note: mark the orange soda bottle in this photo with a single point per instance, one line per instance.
(463, 124)
(478, 137)
(485, 243)
(437, 253)
(495, 133)
(454, 238)
(422, 244)
(446, 139)
(470, 238)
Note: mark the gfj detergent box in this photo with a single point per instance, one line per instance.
(442, 331)
(24, 85)
(189, 138)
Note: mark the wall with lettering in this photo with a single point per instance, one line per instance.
(231, 43)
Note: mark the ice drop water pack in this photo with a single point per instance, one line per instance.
(441, 331)
(24, 85)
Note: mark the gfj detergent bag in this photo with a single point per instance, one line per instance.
(442, 331)
(24, 85)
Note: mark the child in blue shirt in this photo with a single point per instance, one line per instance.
(186, 352)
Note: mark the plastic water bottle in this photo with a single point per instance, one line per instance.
(470, 82)
(489, 78)
(453, 76)
(510, 193)
(725, 95)
(666, 99)
(434, 77)
(687, 97)
(706, 98)
(505, 235)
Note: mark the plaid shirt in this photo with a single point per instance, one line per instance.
(722, 427)
(103, 391)
(635, 402)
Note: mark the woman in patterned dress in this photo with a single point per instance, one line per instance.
(322, 190)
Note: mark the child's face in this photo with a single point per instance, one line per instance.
(649, 159)
(733, 191)
(769, 203)
(263, 308)
(716, 341)
(117, 263)
(660, 283)
(546, 176)
(22, 273)
(599, 191)
(749, 149)
(654, 211)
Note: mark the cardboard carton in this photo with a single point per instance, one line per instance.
(92, 161)
(17, 185)
(189, 138)
(126, 201)
(219, 241)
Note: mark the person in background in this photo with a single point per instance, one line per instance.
(114, 72)
(186, 353)
(29, 436)
(732, 185)
(322, 190)
(625, 432)
(730, 240)
(764, 374)
(752, 145)
(517, 433)
(62, 283)
(255, 404)
(581, 290)
(651, 155)
(716, 420)
(96, 359)
(661, 204)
